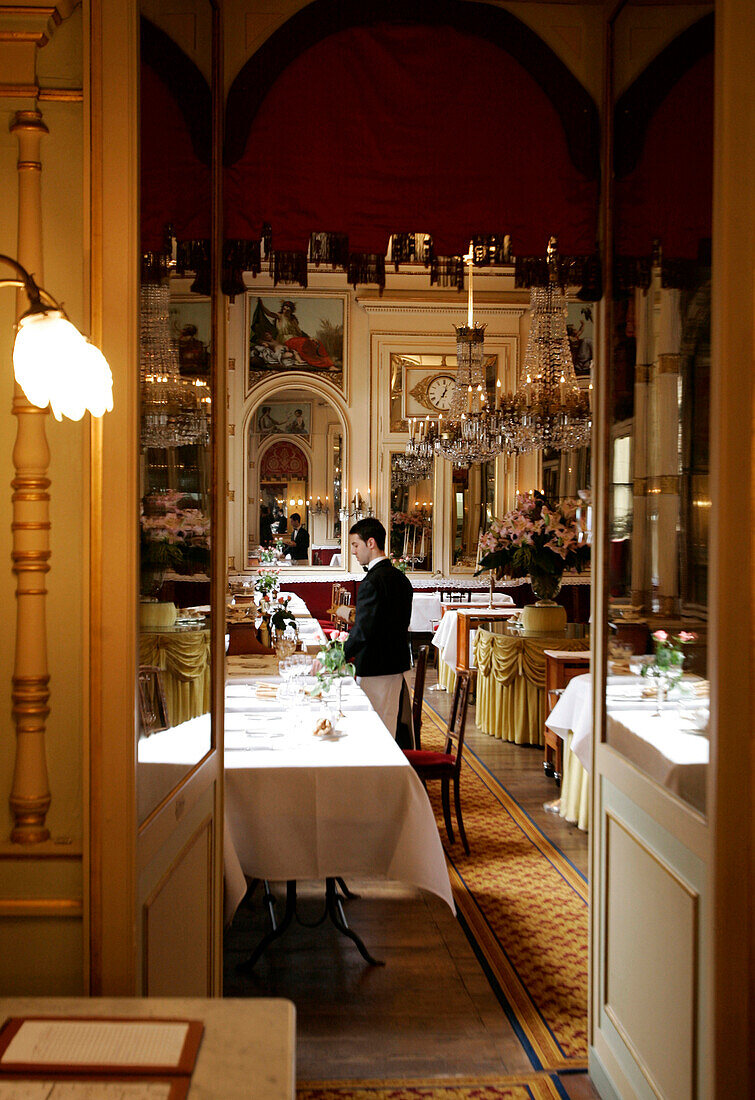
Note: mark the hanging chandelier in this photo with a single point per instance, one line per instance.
(471, 433)
(174, 410)
(548, 409)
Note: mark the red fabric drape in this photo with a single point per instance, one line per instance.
(668, 196)
(175, 184)
(390, 128)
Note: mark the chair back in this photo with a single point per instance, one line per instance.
(456, 596)
(153, 709)
(457, 719)
(420, 668)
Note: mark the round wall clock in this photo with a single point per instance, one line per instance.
(439, 391)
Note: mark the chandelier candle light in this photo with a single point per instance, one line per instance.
(548, 409)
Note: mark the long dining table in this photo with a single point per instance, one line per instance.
(305, 807)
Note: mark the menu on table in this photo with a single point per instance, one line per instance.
(86, 1057)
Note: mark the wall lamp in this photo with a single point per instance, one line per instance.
(53, 363)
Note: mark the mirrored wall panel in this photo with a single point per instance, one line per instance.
(176, 357)
(659, 500)
(411, 532)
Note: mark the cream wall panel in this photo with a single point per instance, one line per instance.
(41, 956)
(651, 933)
(177, 917)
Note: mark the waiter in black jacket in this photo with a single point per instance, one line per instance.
(299, 540)
(378, 643)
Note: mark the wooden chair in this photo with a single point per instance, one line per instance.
(420, 668)
(446, 766)
(153, 709)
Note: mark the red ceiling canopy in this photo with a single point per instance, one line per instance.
(398, 127)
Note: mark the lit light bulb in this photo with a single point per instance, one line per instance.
(55, 365)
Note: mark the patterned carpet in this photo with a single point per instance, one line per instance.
(524, 1087)
(525, 908)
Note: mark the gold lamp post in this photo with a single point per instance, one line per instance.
(55, 366)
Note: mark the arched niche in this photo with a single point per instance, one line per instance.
(311, 416)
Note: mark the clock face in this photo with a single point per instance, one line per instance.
(439, 391)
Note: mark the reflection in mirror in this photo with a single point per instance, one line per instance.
(294, 454)
(657, 692)
(176, 357)
(472, 510)
(411, 534)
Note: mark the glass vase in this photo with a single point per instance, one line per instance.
(546, 587)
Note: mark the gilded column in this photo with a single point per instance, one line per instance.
(666, 482)
(30, 793)
(641, 548)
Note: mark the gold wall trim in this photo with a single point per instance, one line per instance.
(640, 486)
(642, 372)
(669, 364)
(28, 166)
(39, 38)
(667, 485)
(61, 95)
(41, 907)
(18, 91)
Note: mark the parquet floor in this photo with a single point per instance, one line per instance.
(430, 1011)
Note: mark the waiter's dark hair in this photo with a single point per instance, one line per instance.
(370, 528)
(295, 515)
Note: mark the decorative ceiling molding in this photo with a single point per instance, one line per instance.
(24, 29)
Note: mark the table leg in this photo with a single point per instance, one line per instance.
(277, 930)
(333, 909)
(337, 916)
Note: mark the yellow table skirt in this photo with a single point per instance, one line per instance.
(446, 675)
(511, 684)
(575, 790)
(184, 657)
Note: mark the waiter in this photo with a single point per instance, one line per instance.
(299, 540)
(378, 643)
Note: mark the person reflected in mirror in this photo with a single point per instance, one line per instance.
(378, 643)
(280, 523)
(298, 540)
(266, 526)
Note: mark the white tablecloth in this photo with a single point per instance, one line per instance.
(446, 634)
(304, 807)
(665, 747)
(425, 612)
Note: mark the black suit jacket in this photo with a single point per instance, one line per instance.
(378, 643)
(301, 544)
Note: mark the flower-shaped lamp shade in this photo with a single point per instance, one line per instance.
(54, 364)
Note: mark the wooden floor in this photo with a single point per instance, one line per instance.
(430, 1011)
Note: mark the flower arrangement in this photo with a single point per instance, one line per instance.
(173, 537)
(267, 583)
(281, 618)
(267, 555)
(668, 665)
(400, 563)
(536, 539)
(332, 661)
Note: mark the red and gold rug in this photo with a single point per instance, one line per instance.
(525, 907)
(522, 1087)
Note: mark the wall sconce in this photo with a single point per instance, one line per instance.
(53, 363)
(319, 509)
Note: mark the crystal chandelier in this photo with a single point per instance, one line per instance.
(548, 409)
(471, 433)
(174, 410)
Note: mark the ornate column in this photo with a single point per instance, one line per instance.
(30, 793)
(641, 550)
(666, 481)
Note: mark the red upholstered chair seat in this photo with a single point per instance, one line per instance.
(444, 766)
(424, 758)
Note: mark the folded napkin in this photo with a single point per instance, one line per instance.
(264, 690)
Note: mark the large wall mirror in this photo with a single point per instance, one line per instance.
(295, 453)
(177, 394)
(659, 346)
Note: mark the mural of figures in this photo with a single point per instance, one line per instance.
(285, 418)
(303, 334)
(579, 328)
(190, 322)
